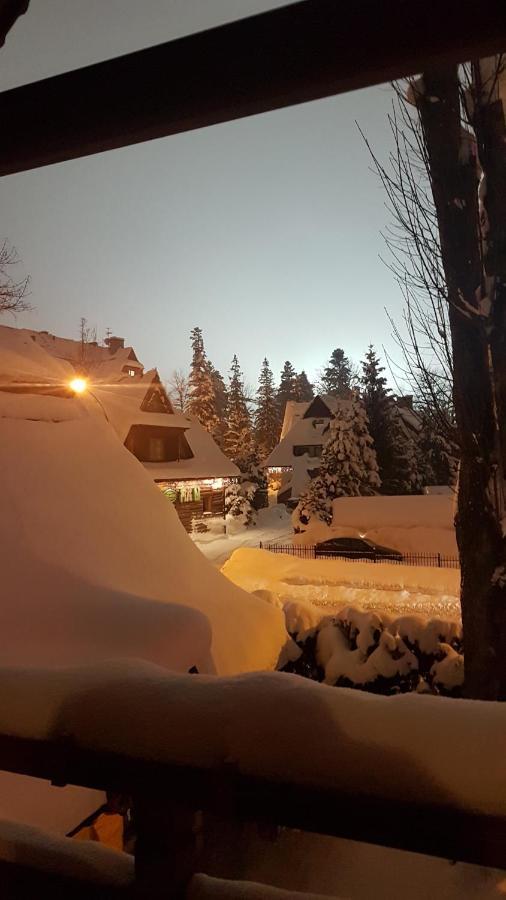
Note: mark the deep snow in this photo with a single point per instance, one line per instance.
(322, 586)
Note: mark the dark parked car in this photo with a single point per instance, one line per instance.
(356, 548)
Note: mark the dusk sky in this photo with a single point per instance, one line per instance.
(264, 231)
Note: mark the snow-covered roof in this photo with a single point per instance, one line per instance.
(23, 360)
(410, 419)
(122, 402)
(208, 460)
(98, 360)
(122, 405)
(293, 412)
(303, 432)
(308, 431)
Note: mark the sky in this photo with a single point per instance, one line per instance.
(265, 232)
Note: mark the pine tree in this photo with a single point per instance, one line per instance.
(238, 437)
(220, 393)
(304, 391)
(202, 396)
(439, 454)
(287, 386)
(404, 474)
(397, 452)
(348, 465)
(266, 414)
(337, 376)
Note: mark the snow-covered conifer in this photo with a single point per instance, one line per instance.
(266, 414)
(336, 379)
(397, 452)
(238, 441)
(202, 395)
(220, 393)
(303, 391)
(287, 387)
(348, 464)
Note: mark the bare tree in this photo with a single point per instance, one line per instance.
(13, 293)
(87, 336)
(473, 253)
(414, 257)
(178, 388)
(446, 188)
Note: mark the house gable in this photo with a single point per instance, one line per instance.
(317, 409)
(156, 400)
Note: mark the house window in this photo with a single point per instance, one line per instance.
(312, 450)
(157, 449)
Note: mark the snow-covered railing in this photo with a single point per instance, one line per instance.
(310, 551)
(418, 773)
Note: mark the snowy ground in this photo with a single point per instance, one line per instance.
(273, 524)
(335, 583)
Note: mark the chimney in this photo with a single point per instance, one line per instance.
(115, 343)
(406, 402)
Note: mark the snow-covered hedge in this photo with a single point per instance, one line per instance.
(381, 654)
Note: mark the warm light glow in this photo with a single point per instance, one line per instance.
(78, 385)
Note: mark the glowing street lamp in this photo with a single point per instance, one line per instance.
(78, 385)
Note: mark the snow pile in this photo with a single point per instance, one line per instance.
(331, 584)
(380, 654)
(86, 861)
(411, 524)
(203, 887)
(434, 750)
(96, 564)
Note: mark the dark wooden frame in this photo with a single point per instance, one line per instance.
(440, 831)
(305, 51)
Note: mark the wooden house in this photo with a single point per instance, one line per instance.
(179, 454)
(296, 459)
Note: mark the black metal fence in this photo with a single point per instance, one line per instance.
(310, 551)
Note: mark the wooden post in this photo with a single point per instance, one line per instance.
(165, 847)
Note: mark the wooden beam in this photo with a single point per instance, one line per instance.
(440, 831)
(305, 51)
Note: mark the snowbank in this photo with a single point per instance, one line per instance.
(88, 549)
(418, 524)
(203, 887)
(85, 860)
(428, 750)
(331, 584)
(365, 513)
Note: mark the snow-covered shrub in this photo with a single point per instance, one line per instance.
(239, 509)
(374, 652)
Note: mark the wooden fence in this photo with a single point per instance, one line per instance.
(167, 800)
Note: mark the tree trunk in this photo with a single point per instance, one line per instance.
(454, 176)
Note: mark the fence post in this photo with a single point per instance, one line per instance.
(439, 560)
(261, 545)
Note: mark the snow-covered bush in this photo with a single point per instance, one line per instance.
(239, 509)
(374, 652)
